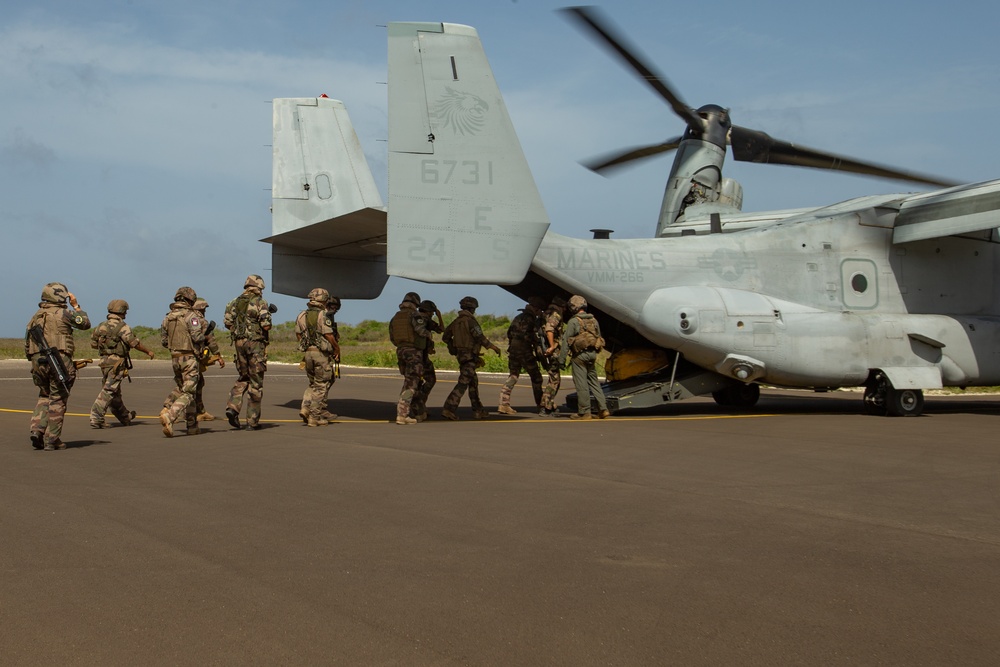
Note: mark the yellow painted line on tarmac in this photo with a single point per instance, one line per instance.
(492, 420)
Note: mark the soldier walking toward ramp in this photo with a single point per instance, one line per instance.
(182, 332)
(248, 318)
(48, 345)
(465, 339)
(113, 339)
(553, 330)
(525, 337)
(411, 331)
(210, 354)
(317, 340)
(332, 308)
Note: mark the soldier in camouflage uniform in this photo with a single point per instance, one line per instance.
(332, 308)
(552, 329)
(411, 331)
(57, 322)
(582, 339)
(113, 339)
(465, 338)
(525, 338)
(418, 407)
(315, 333)
(248, 319)
(183, 333)
(210, 354)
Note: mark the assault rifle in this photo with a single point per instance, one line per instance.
(50, 356)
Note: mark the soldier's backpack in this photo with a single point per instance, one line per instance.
(588, 338)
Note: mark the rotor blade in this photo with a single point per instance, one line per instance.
(588, 17)
(755, 146)
(617, 159)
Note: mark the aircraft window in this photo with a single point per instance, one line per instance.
(859, 283)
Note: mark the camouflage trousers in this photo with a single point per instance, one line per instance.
(418, 380)
(186, 374)
(251, 364)
(516, 361)
(319, 370)
(586, 383)
(110, 398)
(551, 387)
(467, 380)
(47, 419)
(199, 389)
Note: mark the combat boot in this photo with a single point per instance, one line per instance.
(233, 417)
(481, 413)
(420, 417)
(128, 420)
(604, 414)
(405, 420)
(448, 414)
(37, 440)
(97, 424)
(585, 416)
(506, 410)
(322, 421)
(193, 430)
(168, 427)
(304, 414)
(206, 417)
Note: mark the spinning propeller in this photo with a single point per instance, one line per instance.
(711, 123)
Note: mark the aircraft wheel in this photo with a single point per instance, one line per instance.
(741, 396)
(905, 402)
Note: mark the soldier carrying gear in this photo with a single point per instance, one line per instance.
(411, 331)
(465, 338)
(113, 339)
(50, 351)
(248, 319)
(315, 333)
(583, 340)
(210, 355)
(183, 333)
(524, 335)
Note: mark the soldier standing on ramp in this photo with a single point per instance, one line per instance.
(248, 319)
(48, 345)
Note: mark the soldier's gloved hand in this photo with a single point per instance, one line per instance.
(497, 350)
(150, 354)
(222, 362)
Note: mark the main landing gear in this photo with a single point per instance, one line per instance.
(882, 399)
(739, 396)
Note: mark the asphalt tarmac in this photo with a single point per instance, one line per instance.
(803, 532)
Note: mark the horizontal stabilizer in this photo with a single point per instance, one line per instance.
(463, 206)
(328, 221)
(960, 210)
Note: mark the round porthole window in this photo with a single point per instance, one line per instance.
(859, 283)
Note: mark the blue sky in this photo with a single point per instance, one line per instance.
(135, 138)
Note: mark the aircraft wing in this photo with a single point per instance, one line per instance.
(328, 222)
(959, 210)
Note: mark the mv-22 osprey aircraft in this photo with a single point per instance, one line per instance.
(894, 293)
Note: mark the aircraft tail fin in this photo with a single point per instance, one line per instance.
(328, 222)
(463, 206)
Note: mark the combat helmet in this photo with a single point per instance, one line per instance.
(334, 302)
(412, 297)
(468, 303)
(427, 306)
(186, 294)
(200, 304)
(118, 306)
(253, 280)
(319, 295)
(576, 303)
(55, 293)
